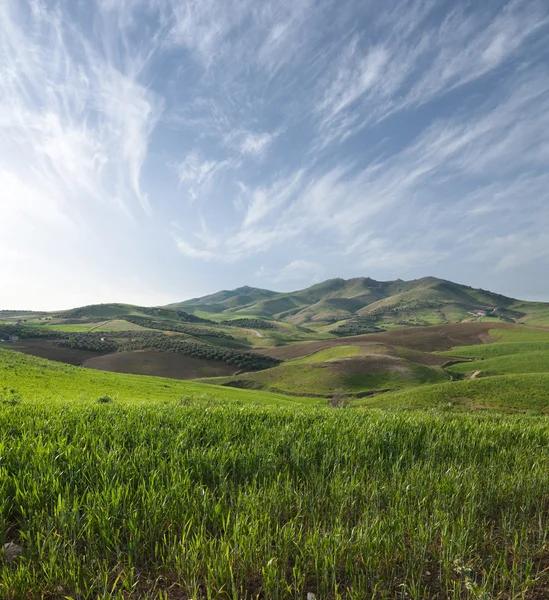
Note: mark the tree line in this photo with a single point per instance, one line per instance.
(178, 327)
(249, 323)
(246, 361)
(357, 326)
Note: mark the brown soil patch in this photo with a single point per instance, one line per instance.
(426, 339)
(160, 364)
(49, 349)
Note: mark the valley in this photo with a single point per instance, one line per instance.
(218, 448)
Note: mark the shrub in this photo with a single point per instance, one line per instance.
(340, 399)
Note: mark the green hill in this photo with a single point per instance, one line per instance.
(333, 307)
(32, 380)
(364, 304)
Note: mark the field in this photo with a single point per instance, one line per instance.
(171, 500)
(355, 370)
(160, 364)
(428, 486)
(427, 339)
(508, 393)
(46, 349)
(35, 380)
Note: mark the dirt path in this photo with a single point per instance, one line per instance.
(255, 332)
(475, 374)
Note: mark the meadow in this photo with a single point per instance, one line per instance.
(39, 381)
(129, 487)
(196, 499)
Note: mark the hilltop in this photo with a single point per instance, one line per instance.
(362, 304)
(366, 336)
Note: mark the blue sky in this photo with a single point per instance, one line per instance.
(156, 150)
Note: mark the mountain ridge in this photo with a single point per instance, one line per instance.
(339, 299)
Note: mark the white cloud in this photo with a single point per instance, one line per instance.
(408, 206)
(256, 143)
(300, 270)
(417, 60)
(187, 249)
(196, 174)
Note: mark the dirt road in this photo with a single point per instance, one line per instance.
(255, 332)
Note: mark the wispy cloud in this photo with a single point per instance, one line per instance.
(196, 174)
(256, 143)
(419, 56)
(299, 270)
(401, 135)
(412, 196)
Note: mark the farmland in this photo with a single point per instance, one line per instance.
(248, 483)
(35, 381)
(204, 499)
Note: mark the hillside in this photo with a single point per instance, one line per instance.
(361, 305)
(336, 307)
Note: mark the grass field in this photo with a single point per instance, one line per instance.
(351, 369)
(36, 380)
(363, 374)
(328, 354)
(521, 334)
(172, 501)
(524, 352)
(426, 339)
(517, 392)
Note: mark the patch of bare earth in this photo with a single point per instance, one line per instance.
(427, 339)
(160, 364)
(50, 350)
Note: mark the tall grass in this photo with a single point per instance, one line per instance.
(182, 501)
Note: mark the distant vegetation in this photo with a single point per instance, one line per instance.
(247, 361)
(180, 328)
(7, 329)
(189, 318)
(88, 341)
(357, 326)
(249, 323)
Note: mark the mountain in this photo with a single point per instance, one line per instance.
(225, 300)
(340, 306)
(365, 304)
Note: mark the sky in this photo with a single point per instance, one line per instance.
(157, 150)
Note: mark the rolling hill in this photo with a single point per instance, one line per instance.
(361, 304)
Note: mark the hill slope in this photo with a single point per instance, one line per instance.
(361, 304)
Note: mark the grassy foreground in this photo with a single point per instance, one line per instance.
(38, 380)
(182, 501)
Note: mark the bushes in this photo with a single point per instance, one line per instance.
(243, 360)
(179, 328)
(357, 326)
(249, 323)
(89, 341)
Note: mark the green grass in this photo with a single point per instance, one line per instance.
(117, 325)
(519, 392)
(312, 377)
(519, 335)
(503, 358)
(114, 325)
(121, 501)
(69, 328)
(37, 380)
(328, 354)
(525, 362)
(498, 349)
